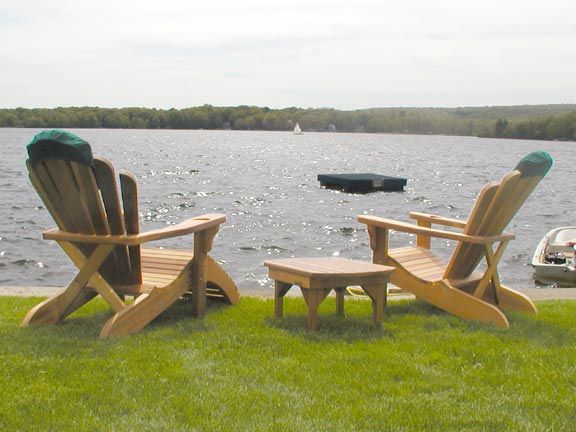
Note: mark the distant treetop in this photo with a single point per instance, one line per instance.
(547, 122)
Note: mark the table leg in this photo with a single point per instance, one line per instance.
(340, 300)
(280, 289)
(313, 299)
(378, 295)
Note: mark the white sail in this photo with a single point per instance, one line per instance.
(297, 130)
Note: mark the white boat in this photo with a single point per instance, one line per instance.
(297, 130)
(553, 261)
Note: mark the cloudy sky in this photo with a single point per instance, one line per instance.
(277, 53)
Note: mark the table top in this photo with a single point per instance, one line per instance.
(328, 267)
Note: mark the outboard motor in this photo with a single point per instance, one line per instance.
(555, 258)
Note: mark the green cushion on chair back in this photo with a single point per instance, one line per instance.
(59, 144)
(535, 164)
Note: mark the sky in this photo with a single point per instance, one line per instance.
(306, 53)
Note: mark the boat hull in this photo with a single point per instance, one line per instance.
(555, 246)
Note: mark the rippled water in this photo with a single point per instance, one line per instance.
(266, 184)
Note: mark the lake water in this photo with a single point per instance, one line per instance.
(266, 184)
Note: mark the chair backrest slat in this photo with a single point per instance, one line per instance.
(129, 190)
(106, 180)
(479, 210)
(499, 212)
(71, 193)
(489, 217)
(57, 200)
(81, 194)
(496, 206)
(45, 191)
(91, 195)
(59, 204)
(74, 202)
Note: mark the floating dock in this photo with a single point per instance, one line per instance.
(362, 182)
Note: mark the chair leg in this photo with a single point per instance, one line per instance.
(466, 306)
(58, 307)
(148, 306)
(84, 297)
(202, 245)
(216, 274)
(449, 298)
(72, 297)
(513, 300)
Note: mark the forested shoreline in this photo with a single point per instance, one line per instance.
(541, 122)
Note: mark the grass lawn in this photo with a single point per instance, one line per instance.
(241, 370)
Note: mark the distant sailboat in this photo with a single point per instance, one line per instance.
(297, 130)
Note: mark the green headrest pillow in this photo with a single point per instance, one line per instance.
(59, 144)
(535, 164)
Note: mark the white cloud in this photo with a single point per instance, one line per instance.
(346, 54)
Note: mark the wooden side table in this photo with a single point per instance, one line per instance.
(316, 277)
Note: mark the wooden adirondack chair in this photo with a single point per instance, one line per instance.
(457, 286)
(99, 231)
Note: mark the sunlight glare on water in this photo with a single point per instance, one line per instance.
(266, 184)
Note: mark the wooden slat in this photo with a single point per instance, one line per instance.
(420, 262)
(157, 270)
(157, 277)
(106, 179)
(45, 195)
(498, 213)
(72, 198)
(162, 266)
(486, 222)
(415, 260)
(53, 196)
(167, 265)
(411, 251)
(184, 253)
(162, 262)
(326, 267)
(518, 194)
(98, 282)
(88, 188)
(425, 265)
(58, 207)
(436, 219)
(459, 266)
(132, 222)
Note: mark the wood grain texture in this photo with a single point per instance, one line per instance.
(98, 228)
(316, 277)
(457, 286)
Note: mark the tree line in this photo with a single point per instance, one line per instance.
(544, 122)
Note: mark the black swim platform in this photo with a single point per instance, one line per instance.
(362, 182)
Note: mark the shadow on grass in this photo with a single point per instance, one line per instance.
(555, 327)
(330, 327)
(85, 325)
(549, 329)
(538, 330)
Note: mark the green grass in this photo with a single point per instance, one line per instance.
(240, 370)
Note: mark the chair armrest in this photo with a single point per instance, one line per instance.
(415, 229)
(193, 225)
(440, 220)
